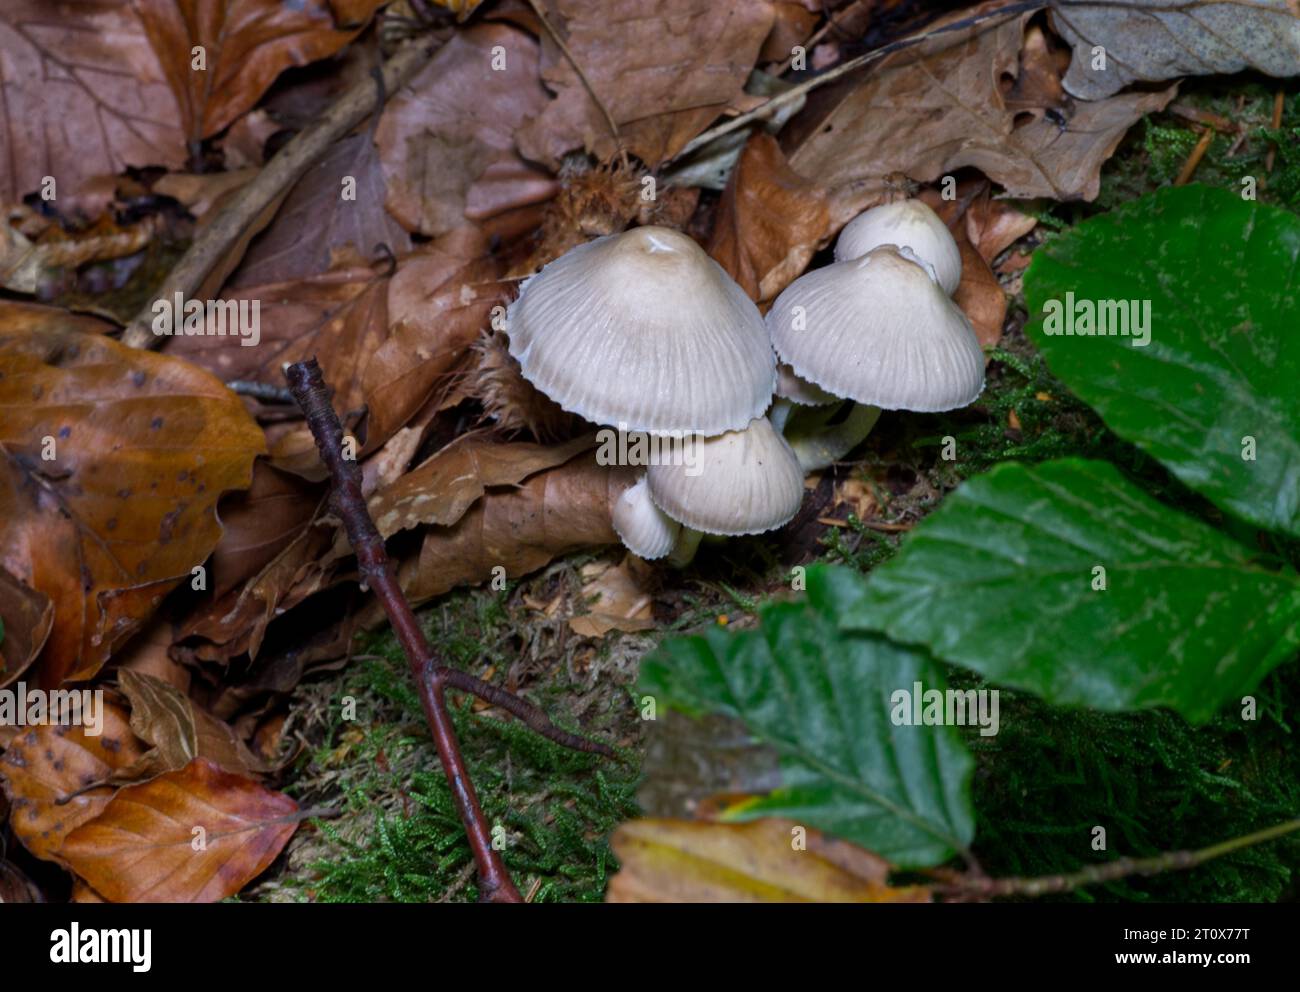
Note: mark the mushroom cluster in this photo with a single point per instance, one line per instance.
(642, 332)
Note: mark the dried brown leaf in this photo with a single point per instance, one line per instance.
(246, 43)
(664, 72)
(447, 139)
(770, 221)
(195, 835)
(51, 762)
(113, 462)
(763, 861)
(930, 110)
(26, 617)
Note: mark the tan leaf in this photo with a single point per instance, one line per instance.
(1155, 40)
(615, 598)
(447, 139)
(441, 489)
(520, 528)
(663, 71)
(195, 835)
(246, 43)
(692, 861)
(113, 462)
(52, 762)
(769, 222)
(179, 731)
(259, 523)
(83, 95)
(930, 110)
(26, 617)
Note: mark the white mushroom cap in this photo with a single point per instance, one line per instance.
(906, 224)
(878, 330)
(645, 529)
(744, 482)
(642, 330)
(792, 387)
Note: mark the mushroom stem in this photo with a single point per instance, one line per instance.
(688, 542)
(817, 446)
(780, 413)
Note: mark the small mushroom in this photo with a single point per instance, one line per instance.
(905, 224)
(880, 331)
(645, 529)
(644, 331)
(743, 482)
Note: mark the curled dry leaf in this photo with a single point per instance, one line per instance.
(112, 463)
(179, 731)
(259, 523)
(26, 617)
(664, 72)
(769, 222)
(762, 861)
(930, 110)
(83, 95)
(195, 835)
(441, 489)
(614, 598)
(245, 45)
(520, 528)
(447, 139)
(1155, 40)
(51, 762)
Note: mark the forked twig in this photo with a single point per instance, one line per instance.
(377, 571)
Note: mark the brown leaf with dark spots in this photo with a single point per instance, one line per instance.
(930, 110)
(26, 617)
(663, 71)
(179, 731)
(770, 221)
(112, 463)
(447, 139)
(195, 835)
(83, 95)
(693, 862)
(51, 762)
(247, 43)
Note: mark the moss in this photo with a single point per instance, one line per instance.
(398, 837)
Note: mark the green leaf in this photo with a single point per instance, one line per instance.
(821, 699)
(1000, 578)
(1223, 363)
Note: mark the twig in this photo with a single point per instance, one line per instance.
(215, 245)
(525, 711)
(591, 90)
(1279, 104)
(263, 391)
(773, 104)
(1194, 159)
(379, 574)
(1124, 867)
